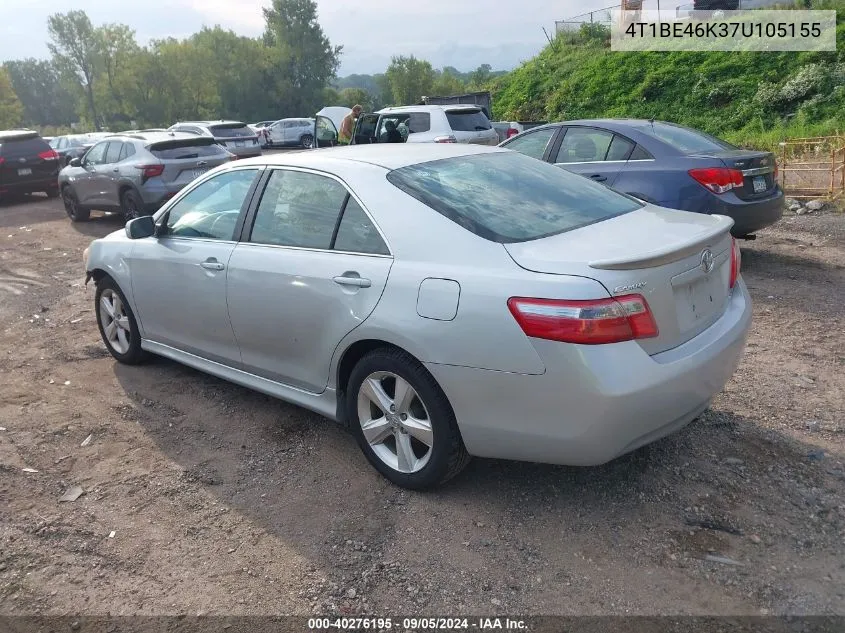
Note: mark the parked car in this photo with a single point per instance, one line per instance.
(291, 133)
(71, 146)
(27, 164)
(236, 137)
(666, 164)
(134, 174)
(441, 300)
(507, 129)
(415, 124)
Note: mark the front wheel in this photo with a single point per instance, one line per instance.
(74, 211)
(307, 141)
(403, 421)
(117, 323)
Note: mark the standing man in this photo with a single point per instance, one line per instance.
(347, 126)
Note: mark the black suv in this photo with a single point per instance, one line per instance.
(27, 164)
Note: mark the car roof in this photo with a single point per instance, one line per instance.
(429, 108)
(155, 137)
(17, 135)
(220, 122)
(386, 155)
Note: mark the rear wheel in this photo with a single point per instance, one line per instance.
(117, 323)
(307, 141)
(403, 421)
(131, 205)
(72, 208)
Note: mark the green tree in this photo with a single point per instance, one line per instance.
(116, 48)
(481, 76)
(409, 79)
(76, 52)
(11, 110)
(356, 96)
(45, 98)
(302, 59)
(447, 83)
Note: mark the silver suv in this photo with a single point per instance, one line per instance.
(291, 132)
(235, 136)
(136, 173)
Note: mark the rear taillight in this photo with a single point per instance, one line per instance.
(592, 322)
(736, 261)
(511, 132)
(445, 139)
(50, 154)
(151, 171)
(718, 179)
(2, 160)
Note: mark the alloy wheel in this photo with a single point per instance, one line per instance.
(307, 141)
(115, 321)
(395, 422)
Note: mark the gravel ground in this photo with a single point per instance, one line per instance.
(203, 497)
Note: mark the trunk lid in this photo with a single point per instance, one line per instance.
(758, 171)
(187, 159)
(654, 252)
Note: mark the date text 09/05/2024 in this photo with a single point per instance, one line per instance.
(417, 624)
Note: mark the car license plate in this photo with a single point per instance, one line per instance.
(25, 172)
(698, 300)
(759, 184)
(239, 143)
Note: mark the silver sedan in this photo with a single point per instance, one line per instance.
(441, 301)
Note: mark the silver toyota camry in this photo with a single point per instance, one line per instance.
(441, 301)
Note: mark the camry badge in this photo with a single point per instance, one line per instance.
(635, 286)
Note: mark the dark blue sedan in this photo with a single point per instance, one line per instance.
(665, 164)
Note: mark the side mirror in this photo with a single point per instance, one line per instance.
(75, 162)
(140, 228)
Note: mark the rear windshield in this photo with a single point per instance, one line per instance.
(230, 131)
(25, 146)
(467, 120)
(509, 197)
(175, 150)
(686, 140)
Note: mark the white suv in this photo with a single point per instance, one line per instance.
(417, 124)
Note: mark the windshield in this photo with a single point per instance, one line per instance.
(509, 197)
(686, 140)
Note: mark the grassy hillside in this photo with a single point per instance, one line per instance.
(753, 99)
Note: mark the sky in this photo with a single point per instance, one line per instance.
(459, 33)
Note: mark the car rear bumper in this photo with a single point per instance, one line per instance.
(750, 217)
(40, 184)
(594, 403)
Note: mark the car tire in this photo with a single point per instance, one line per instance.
(415, 445)
(75, 212)
(307, 141)
(131, 205)
(117, 323)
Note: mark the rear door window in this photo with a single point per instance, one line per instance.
(468, 120)
(532, 144)
(620, 148)
(113, 152)
(357, 234)
(584, 145)
(127, 151)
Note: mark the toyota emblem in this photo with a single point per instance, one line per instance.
(707, 260)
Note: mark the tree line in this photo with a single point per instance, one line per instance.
(102, 78)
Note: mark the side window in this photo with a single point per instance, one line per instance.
(419, 122)
(640, 154)
(620, 148)
(365, 130)
(532, 144)
(96, 155)
(211, 210)
(583, 145)
(357, 234)
(298, 209)
(113, 152)
(127, 151)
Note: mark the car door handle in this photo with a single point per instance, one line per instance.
(212, 264)
(598, 177)
(352, 280)
(115, 170)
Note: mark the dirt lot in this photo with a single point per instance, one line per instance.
(225, 501)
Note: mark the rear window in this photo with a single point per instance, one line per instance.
(685, 139)
(509, 197)
(176, 150)
(23, 146)
(467, 120)
(230, 131)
